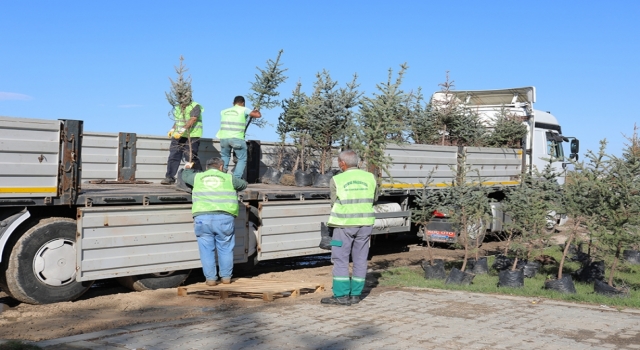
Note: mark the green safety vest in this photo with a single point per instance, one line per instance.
(181, 121)
(213, 191)
(356, 190)
(232, 123)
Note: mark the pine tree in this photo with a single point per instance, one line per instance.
(423, 126)
(294, 120)
(180, 96)
(508, 130)
(457, 124)
(615, 215)
(264, 89)
(330, 114)
(381, 120)
(468, 204)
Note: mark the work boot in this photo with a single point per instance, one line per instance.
(354, 299)
(211, 283)
(344, 301)
(226, 280)
(168, 181)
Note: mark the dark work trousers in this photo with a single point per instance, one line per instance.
(355, 242)
(180, 148)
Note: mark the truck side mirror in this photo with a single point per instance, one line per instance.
(573, 156)
(575, 147)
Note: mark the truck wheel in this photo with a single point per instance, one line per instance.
(151, 281)
(42, 265)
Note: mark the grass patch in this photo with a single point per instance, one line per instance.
(413, 276)
(17, 345)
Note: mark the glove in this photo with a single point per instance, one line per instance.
(178, 134)
(170, 133)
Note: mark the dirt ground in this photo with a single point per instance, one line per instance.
(108, 305)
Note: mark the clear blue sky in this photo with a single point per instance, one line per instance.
(108, 62)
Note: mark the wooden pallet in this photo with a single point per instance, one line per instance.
(246, 287)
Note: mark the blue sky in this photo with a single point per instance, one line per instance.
(108, 62)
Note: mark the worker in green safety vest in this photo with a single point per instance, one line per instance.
(233, 123)
(185, 139)
(215, 208)
(353, 193)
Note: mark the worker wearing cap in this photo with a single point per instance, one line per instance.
(353, 193)
(231, 134)
(215, 208)
(184, 131)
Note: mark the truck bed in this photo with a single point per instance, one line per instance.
(101, 194)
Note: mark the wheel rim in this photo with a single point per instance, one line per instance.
(54, 263)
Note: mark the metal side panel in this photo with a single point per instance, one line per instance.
(134, 240)
(99, 156)
(291, 228)
(495, 165)
(153, 152)
(29, 157)
(412, 164)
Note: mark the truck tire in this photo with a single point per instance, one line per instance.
(152, 281)
(42, 264)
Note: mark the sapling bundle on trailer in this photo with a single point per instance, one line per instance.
(422, 122)
(180, 97)
(381, 120)
(507, 130)
(330, 116)
(295, 119)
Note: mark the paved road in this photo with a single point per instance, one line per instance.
(392, 320)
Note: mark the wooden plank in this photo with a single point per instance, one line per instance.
(265, 289)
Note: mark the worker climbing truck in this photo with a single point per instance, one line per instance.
(77, 206)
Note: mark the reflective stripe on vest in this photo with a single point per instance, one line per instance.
(213, 191)
(232, 123)
(181, 119)
(356, 190)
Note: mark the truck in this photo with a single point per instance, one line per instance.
(78, 206)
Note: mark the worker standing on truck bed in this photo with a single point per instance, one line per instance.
(353, 193)
(231, 134)
(184, 130)
(214, 209)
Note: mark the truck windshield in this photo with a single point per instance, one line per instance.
(554, 148)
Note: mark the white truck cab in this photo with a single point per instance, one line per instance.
(544, 141)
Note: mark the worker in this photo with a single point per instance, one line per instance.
(183, 132)
(231, 134)
(215, 207)
(353, 193)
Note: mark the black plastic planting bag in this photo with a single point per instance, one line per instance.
(303, 178)
(591, 272)
(632, 256)
(479, 267)
(603, 288)
(563, 285)
(531, 269)
(271, 176)
(326, 235)
(435, 270)
(322, 180)
(459, 277)
(502, 263)
(508, 278)
(180, 184)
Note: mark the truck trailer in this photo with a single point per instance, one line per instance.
(76, 206)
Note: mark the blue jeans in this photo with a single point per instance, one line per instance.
(215, 231)
(239, 146)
